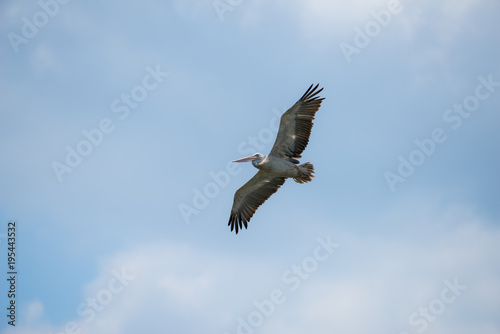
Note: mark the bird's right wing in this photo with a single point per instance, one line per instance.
(250, 196)
(296, 124)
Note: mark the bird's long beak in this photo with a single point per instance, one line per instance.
(246, 159)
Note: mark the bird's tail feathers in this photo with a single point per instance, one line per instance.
(307, 171)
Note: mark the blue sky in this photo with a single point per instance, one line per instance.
(171, 92)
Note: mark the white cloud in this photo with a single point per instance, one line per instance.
(326, 17)
(34, 311)
(393, 278)
(373, 283)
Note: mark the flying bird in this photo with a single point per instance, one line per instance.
(281, 163)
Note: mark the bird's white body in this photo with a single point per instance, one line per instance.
(277, 167)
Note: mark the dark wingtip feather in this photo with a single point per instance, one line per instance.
(307, 91)
(310, 94)
(237, 222)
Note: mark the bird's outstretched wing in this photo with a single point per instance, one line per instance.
(250, 196)
(295, 125)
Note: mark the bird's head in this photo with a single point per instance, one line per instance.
(255, 158)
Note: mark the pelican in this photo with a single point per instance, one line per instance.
(281, 163)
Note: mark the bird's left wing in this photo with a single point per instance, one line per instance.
(250, 196)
